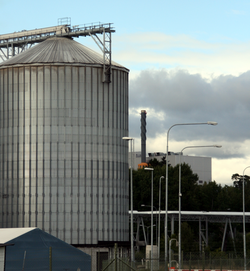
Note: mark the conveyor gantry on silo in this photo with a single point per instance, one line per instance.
(17, 42)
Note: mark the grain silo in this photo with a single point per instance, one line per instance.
(63, 163)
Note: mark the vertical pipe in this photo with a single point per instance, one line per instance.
(179, 248)
(159, 219)
(206, 231)
(143, 136)
(169, 251)
(115, 256)
(166, 207)
(152, 197)
(199, 234)
(131, 192)
(172, 224)
(244, 226)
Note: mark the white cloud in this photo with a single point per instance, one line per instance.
(222, 170)
(176, 96)
(161, 50)
(189, 80)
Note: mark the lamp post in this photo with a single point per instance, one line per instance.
(166, 196)
(244, 220)
(143, 205)
(152, 197)
(180, 195)
(131, 198)
(159, 219)
(147, 232)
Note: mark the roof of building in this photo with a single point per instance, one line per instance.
(8, 234)
(58, 50)
(32, 247)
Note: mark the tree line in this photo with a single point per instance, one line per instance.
(208, 197)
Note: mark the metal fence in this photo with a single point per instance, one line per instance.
(190, 261)
(212, 260)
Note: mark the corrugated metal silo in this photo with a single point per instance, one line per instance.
(63, 163)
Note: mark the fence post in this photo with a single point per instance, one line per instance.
(203, 256)
(50, 258)
(99, 268)
(230, 262)
(24, 257)
(190, 255)
(115, 256)
(151, 269)
(182, 258)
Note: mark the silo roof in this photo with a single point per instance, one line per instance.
(58, 50)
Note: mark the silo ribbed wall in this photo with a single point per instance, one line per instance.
(63, 163)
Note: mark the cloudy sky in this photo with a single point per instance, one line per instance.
(188, 61)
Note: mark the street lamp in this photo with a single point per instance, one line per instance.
(166, 196)
(180, 195)
(152, 197)
(131, 198)
(244, 226)
(159, 220)
(143, 205)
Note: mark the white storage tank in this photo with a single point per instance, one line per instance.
(63, 163)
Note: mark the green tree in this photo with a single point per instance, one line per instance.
(206, 196)
(188, 185)
(238, 179)
(229, 199)
(248, 242)
(188, 237)
(237, 183)
(142, 187)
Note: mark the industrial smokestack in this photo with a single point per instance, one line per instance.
(143, 136)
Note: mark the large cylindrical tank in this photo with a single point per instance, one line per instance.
(63, 163)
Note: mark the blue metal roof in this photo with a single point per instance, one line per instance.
(32, 251)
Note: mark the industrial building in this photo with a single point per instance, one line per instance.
(200, 165)
(33, 249)
(63, 163)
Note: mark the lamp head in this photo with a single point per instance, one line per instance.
(127, 138)
(212, 123)
(148, 168)
(217, 146)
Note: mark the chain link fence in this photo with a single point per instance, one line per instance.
(190, 261)
(212, 260)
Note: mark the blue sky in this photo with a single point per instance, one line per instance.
(188, 61)
(209, 20)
